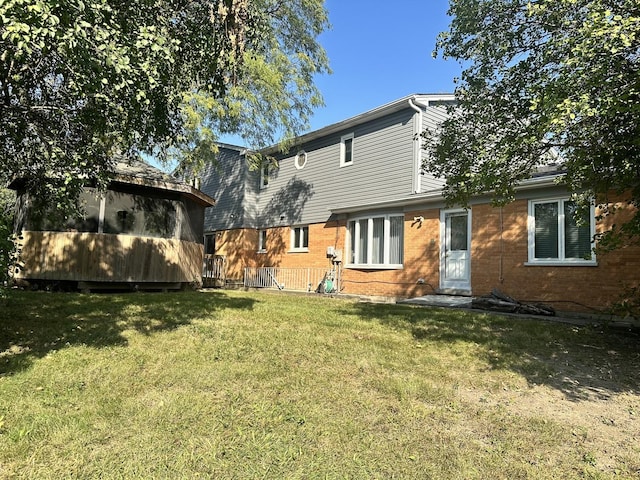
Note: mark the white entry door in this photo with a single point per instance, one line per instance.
(455, 254)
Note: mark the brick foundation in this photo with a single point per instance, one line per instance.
(499, 253)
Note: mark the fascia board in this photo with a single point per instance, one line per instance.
(182, 188)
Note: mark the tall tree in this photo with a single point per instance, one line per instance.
(82, 81)
(543, 81)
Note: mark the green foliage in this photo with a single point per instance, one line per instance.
(544, 81)
(628, 305)
(82, 81)
(7, 245)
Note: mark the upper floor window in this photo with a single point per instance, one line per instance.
(195, 182)
(300, 239)
(376, 242)
(264, 175)
(556, 236)
(346, 150)
(301, 159)
(262, 241)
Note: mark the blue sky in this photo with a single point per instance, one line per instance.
(380, 51)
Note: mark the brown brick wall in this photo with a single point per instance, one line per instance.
(499, 251)
(499, 257)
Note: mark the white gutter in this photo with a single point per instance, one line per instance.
(417, 126)
(425, 198)
(540, 181)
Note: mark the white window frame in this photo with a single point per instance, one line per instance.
(262, 241)
(561, 260)
(301, 155)
(301, 247)
(385, 265)
(343, 149)
(264, 176)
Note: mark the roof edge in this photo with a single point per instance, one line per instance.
(434, 196)
(396, 105)
(183, 188)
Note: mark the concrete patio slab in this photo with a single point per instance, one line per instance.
(456, 301)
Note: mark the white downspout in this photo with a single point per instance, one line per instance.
(417, 157)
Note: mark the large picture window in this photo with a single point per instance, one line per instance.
(376, 241)
(555, 235)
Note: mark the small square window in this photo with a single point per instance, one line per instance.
(300, 239)
(346, 150)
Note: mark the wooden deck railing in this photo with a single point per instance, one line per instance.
(214, 271)
(96, 257)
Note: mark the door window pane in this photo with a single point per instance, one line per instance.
(458, 228)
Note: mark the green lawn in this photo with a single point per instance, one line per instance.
(256, 385)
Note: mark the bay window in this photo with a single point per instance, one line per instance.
(376, 241)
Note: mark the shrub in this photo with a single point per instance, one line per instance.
(8, 250)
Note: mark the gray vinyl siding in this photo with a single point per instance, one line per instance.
(226, 182)
(381, 170)
(430, 121)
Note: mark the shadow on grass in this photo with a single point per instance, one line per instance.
(583, 362)
(32, 324)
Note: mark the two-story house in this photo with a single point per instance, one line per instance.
(355, 192)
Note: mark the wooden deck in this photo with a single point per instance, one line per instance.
(92, 257)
